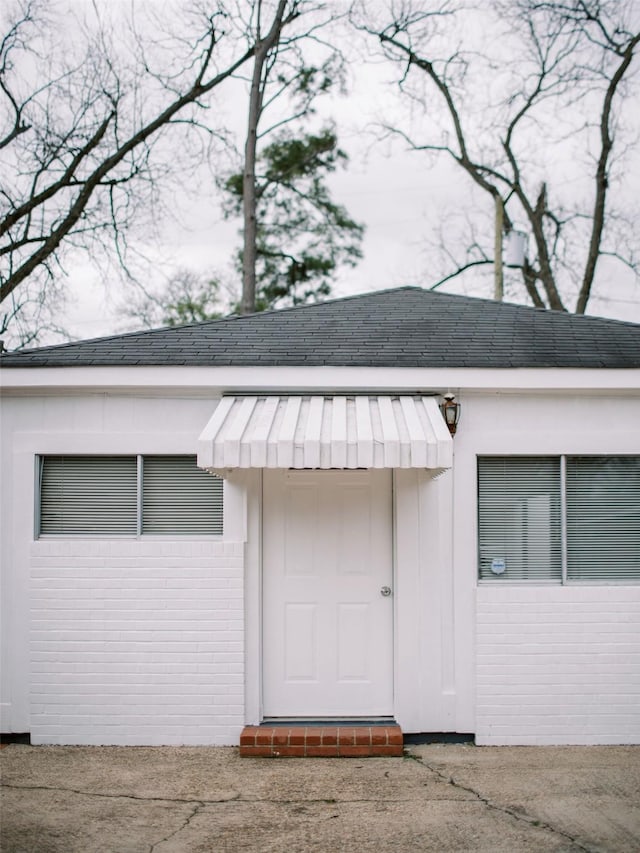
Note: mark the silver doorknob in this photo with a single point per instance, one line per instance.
(385, 590)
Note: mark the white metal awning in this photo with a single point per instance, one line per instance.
(325, 432)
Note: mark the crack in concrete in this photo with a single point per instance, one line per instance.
(197, 807)
(135, 797)
(519, 816)
(237, 799)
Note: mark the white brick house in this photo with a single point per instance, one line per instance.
(355, 561)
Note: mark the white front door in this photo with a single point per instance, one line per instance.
(327, 607)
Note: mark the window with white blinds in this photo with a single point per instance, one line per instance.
(127, 496)
(603, 517)
(568, 518)
(88, 494)
(519, 518)
(178, 497)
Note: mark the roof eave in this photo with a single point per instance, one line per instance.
(211, 381)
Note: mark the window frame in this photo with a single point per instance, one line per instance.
(139, 534)
(517, 485)
(565, 579)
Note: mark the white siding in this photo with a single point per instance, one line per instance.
(117, 640)
(136, 643)
(558, 665)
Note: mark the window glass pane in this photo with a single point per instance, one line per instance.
(603, 517)
(519, 518)
(88, 495)
(180, 498)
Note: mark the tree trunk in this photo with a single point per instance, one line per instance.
(249, 194)
(250, 232)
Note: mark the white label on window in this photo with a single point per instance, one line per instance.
(498, 565)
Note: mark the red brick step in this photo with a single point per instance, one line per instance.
(321, 741)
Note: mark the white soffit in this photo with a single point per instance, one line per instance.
(325, 432)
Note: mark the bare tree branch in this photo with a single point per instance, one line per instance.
(461, 270)
(572, 61)
(68, 185)
(601, 179)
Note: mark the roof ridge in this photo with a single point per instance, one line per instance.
(310, 305)
(546, 312)
(213, 320)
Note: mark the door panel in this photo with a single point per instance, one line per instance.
(327, 630)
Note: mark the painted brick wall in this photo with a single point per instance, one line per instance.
(558, 665)
(136, 642)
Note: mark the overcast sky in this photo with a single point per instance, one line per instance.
(396, 193)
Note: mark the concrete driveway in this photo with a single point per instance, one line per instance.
(440, 798)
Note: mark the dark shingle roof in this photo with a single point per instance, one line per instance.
(406, 327)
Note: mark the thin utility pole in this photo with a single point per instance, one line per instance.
(498, 287)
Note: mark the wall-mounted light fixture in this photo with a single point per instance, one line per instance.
(450, 412)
